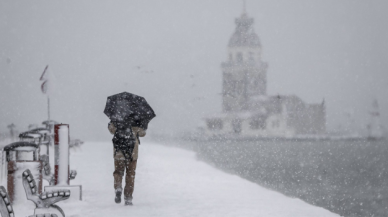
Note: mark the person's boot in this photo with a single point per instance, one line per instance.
(118, 192)
(128, 201)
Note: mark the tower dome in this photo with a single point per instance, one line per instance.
(244, 35)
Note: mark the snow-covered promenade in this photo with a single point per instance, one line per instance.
(171, 182)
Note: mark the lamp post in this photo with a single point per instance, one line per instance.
(11, 131)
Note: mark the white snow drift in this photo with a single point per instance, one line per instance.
(171, 182)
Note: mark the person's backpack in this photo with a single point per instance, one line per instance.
(123, 139)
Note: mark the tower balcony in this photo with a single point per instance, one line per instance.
(244, 65)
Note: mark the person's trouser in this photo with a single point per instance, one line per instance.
(122, 164)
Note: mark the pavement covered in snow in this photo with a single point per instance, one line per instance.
(171, 182)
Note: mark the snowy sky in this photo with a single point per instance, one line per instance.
(337, 50)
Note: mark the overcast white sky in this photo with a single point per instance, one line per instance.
(337, 50)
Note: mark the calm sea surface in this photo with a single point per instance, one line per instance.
(348, 177)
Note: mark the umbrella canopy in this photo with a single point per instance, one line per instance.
(130, 108)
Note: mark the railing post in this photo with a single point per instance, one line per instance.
(61, 143)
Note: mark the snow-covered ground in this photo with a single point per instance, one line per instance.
(171, 182)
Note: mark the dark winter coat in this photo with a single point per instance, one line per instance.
(124, 141)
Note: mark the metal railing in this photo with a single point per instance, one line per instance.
(38, 136)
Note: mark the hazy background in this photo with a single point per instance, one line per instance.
(337, 50)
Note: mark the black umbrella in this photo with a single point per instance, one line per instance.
(129, 108)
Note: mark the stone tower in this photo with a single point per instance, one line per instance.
(244, 73)
(248, 112)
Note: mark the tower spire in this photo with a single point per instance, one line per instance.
(244, 7)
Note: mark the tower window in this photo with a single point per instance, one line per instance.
(236, 124)
(258, 123)
(251, 56)
(276, 124)
(239, 57)
(215, 124)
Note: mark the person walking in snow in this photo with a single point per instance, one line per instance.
(126, 151)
